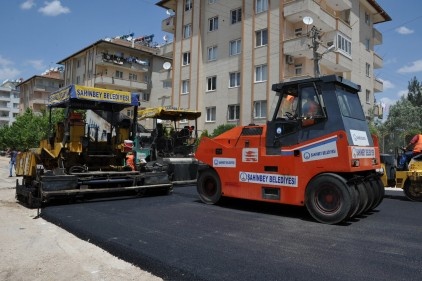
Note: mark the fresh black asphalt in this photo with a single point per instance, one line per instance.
(177, 237)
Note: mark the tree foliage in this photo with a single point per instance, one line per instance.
(221, 129)
(28, 130)
(415, 92)
(404, 120)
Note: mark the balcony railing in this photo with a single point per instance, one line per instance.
(378, 61)
(168, 25)
(135, 65)
(378, 85)
(127, 84)
(295, 11)
(377, 36)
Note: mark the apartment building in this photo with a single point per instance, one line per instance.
(227, 54)
(123, 63)
(9, 102)
(34, 91)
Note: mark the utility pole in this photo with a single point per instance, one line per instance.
(315, 35)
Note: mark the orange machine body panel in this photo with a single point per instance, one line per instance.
(245, 169)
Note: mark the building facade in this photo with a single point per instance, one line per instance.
(9, 102)
(227, 54)
(34, 91)
(122, 64)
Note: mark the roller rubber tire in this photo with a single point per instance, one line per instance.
(328, 199)
(209, 186)
(363, 197)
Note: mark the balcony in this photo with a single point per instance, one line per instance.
(298, 47)
(38, 101)
(168, 25)
(378, 86)
(339, 5)
(128, 85)
(122, 63)
(295, 11)
(334, 61)
(166, 50)
(378, 61)
(377, 36)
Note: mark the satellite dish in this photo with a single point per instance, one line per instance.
(166, 65)
(169, 12)
(165, 38)
(308, 20)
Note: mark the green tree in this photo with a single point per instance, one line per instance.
(415, 92)
(28, 129)
(404, 121)
(221, 129)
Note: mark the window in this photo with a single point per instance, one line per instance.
(367, 44)
(212, 1)
(234, 79)
(188, 5)
(368, 96)
(344, 45)
(166, 84)
(129, 112)
(261, 73)
(118, 74)
(350, 105)
(211, 83)
(213, 24)
(187, 31)
(185, 87)
(261, 37)
(145, 96)
(368, 70)
(210, 114)
(235, 46)
(133, 77)
(260, 109)
(367, 19)
(261, 6)
(233, 112)
(78, 63)
(236, 15)
(298, 69)
(298, 32)
(212, 53)
(186, 58)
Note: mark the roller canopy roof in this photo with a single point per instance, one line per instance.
(168, 113)
(82, 97)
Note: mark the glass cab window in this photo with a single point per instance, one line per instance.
(310, 104)
(288, 105)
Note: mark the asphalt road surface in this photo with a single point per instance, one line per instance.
(177, 237)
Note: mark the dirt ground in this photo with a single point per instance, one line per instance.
(34, 249)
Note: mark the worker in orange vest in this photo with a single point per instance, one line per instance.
(130, 160)
(416, 142)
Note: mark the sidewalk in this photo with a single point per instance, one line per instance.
(33, 249)
(6, 182)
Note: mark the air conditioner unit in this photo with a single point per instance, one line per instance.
(290, 59)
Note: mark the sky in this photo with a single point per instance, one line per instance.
(36, 34)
